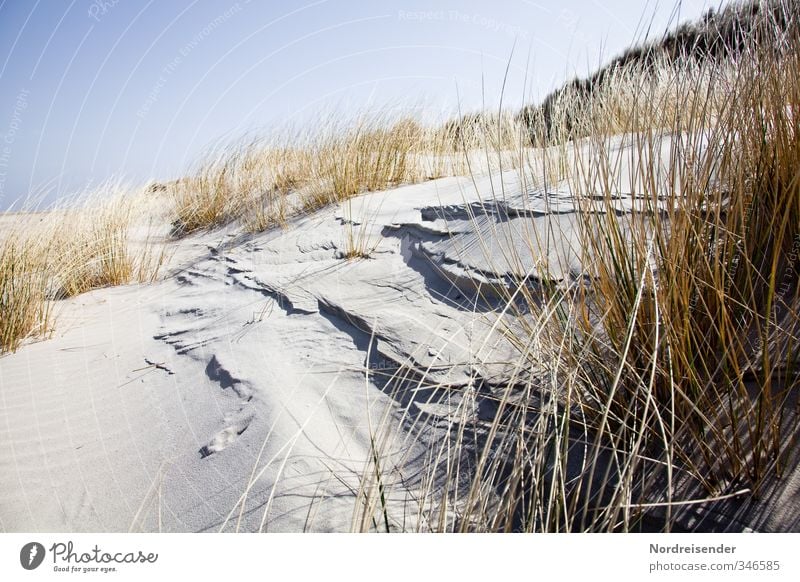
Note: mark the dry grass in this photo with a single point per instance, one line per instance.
(24, 309)
(69, 251)
(258, 183)
(665, 379)
(92, 250)
(692, 344)
(207, 199)
(666, 374)
(262, 182)
(371, 156)
(359, 239)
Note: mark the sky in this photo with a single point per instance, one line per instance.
(93, 91)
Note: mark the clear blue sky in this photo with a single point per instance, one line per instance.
(95, 89)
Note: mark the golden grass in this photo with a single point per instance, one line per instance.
(692, 323)
(665, 375)
(92, 250)
(259, 183)
(24, 309)
(664, 379)
(67, 252)
(359, 240)
(262, 182)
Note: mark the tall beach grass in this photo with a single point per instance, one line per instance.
(54, 254)
(261, 182)
(659, 382)
(662, 382)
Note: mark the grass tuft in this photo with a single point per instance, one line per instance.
(662, 380)
(24, 309)
(64, 252)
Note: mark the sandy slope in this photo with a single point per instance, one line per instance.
(234, 394)
(158, 407)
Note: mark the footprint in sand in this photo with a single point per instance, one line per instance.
(226, 436)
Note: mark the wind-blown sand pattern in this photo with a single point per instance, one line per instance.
(580, 318)
(161, 406)
(243, 392)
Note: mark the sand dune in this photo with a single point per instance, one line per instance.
(158, 407)
(244, 391)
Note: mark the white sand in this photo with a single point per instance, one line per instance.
(158, 407)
